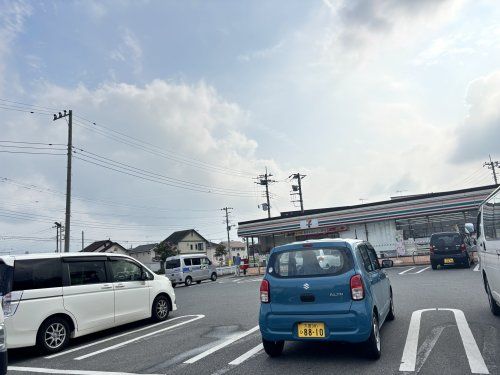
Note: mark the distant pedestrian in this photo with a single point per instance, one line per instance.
(237, 263)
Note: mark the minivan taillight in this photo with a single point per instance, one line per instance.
(431, 249)
(264, 291)
(357, 289)
(10, 302)
(462, 247)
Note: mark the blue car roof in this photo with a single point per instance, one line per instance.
(347, 242)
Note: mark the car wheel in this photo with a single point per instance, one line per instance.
(273, 348)
(495, 309)
(372, 345)
(161, 309)
(213, 277)
(392, 314)
(53, 335)
(434, 266)
(188, 281)
(198, 282)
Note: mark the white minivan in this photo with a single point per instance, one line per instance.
(488, 247)
(55, 297)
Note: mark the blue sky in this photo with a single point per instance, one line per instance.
(365, 97)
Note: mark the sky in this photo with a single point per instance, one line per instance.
(179, 105)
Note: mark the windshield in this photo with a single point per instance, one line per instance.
(174, 263)
(6, 273)
(311, 262)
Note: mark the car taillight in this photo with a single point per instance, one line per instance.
(357, 289)
(264, 291)
(10, 302)
(462, 247)
(431, 249)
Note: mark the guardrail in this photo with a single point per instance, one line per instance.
(227, 270)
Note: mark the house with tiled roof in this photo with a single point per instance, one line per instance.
(188, 241)
(105, 246)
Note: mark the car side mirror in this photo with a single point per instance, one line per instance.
(469, 228)
(387, 263)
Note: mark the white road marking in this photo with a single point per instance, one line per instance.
(409, 358)
(427, 346)
(247, 355)
(422, 270)
(73, 372)
(196, 317)
(221, 345)
(476, 360)
(476, 268)
(248, 281)
(116, 337)
(409, 269)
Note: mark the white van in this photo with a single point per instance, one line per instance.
(57, 296)
(188, 268)
(488, 247)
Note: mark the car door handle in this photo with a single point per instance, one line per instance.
(119, 286)
(107, 287)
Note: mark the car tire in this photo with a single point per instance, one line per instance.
(213, 277)
(160, 309)
(53, 335)
(391, 315)
(188, 281)
(372, 345)
(198, 281)
(495, 309)
(434, 266)
(273, 348)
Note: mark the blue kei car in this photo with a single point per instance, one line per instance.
(325, 290)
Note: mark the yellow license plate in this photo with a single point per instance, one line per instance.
(311, 330)
(449, 261)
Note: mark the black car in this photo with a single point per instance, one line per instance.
(450, 249)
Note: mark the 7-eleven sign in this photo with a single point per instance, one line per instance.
(309, 223)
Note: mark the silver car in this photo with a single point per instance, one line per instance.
(188, 268)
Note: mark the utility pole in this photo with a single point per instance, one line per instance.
(82, 241)
(491, 165)
(228, 228)
(58, 234)
(67, 232)
(297, 189)
(264, 180)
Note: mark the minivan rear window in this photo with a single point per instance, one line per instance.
(446, 240)
(37, 274)
(174, 263)
(311, 262)
(5, 278)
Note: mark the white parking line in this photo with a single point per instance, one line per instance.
(247, 355)
(422, 270)
(196, 317)
(116, 337)
(476, 268)
(409, 269)
(72, 372)
(409, 358)
(221, 345)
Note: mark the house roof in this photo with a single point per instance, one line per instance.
(105, 244)
(178, 236)
(142, 248)
(233, 244)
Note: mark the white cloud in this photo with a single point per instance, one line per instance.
(129, 51)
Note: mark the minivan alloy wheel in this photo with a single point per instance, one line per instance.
(55, 334)
(162, 309)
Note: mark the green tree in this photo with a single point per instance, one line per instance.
(164, 250)
(220, 251)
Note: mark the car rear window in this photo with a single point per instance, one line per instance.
(311, 262)
(174, 263)
(446, 240)
(6, 273)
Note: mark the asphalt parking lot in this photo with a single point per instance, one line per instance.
(215, 331)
